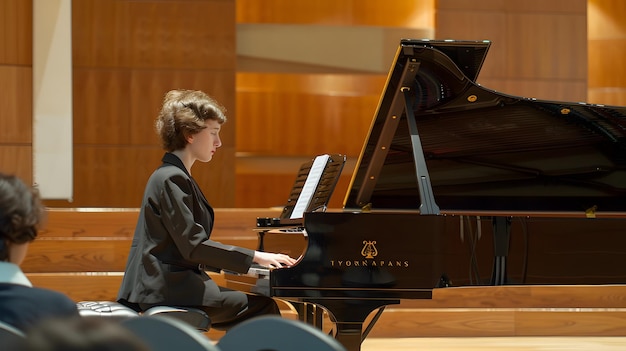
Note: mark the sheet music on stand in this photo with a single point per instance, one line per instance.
(313, 187)
(310, 185)
(311, 191)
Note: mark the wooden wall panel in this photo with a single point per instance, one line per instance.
(16, 32)
(288, 111)
(553, 6)
(16, 135)
(218, 83)
(547, 46)
(537, 88)
(102, 106)
(155, 34)
(606, 19)
(17, 107)
(110, 176)
(128, 53)
(606, 63)
(607, 52)
(396, 13)
(288, 118)
(126, 56)
(607, 96)
(118, 107)
(17, 160)
(124, 126)
(539, 6)
(115, 176)
(299, 114)
(538, 48)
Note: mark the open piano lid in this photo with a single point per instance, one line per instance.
(474, 149)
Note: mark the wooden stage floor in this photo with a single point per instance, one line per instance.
(521, 343)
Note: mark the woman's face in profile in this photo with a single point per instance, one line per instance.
(205, 143)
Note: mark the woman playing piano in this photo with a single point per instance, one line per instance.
(172, 244)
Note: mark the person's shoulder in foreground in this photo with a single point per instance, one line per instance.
(21, 304)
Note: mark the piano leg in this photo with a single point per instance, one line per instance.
(309, 313)
(349, 318)
(501, 236)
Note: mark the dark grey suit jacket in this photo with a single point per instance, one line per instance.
(172, 246)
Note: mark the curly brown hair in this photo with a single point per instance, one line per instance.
(21, 212)
(184, 113)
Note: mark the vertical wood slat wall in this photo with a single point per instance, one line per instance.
(127, 54)
(16, 72)
(287, 115)
(539, 48)
(607, 50)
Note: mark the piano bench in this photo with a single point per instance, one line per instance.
(110, 309)
(197, 318)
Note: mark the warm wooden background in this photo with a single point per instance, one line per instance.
(607, 49)
(127, 54)
(16, 88)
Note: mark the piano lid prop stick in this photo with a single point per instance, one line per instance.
(427, 198)
(462, 231)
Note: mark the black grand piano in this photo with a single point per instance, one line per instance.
(447, 160)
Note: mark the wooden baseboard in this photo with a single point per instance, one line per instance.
(564, 310)
(524, 310)
(474, 322)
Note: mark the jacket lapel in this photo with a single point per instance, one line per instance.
(170, 159)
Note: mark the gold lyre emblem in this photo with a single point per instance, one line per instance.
(369, 249)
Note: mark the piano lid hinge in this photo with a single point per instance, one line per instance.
(367, 207)
(591, 211)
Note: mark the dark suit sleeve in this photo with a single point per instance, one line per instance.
(183, 215)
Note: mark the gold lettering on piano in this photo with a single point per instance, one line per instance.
(369, 249)
(372, 263)
(369, 253)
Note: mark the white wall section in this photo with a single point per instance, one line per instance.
(52, 98)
